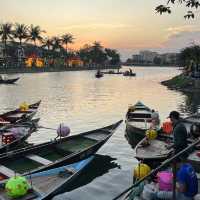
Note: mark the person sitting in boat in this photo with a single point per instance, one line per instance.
(179, 133)
(155, 118)
(130, 71)
(186, 185)
(98, 72)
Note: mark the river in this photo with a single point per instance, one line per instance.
(83, 103)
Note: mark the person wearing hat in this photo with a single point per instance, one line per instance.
(179, 132)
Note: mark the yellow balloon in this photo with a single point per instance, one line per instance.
(151, 134)
(141, 170)
(24, 106)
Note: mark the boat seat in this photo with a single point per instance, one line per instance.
(6, 171)
(39, 159)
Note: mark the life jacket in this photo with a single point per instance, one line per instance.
(167, 127)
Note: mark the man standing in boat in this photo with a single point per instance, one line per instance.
(179, 132)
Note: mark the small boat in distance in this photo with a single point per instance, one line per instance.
(112, 72)
(4, 80)
(46, 184)
(129, 73)
(19, 114)
(138, 121)
(99, 74)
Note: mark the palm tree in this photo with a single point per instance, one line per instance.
(97, 53)
(20, 32)
(5, 34)
(56, 43)
(67, 39)
(47, 42)
(35, 34)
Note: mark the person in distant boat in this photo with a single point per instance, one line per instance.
(179, 133)
(130, 70)
(155, 118)
(186, 185)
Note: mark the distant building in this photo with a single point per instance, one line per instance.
(169, 58)
(148, 56)
(136, 59)
(75, 61)
(153, 58)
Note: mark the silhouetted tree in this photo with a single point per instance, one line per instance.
(6, 33)
(190, 4)
(20, 32)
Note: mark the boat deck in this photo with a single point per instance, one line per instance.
(156, 149)
(47, 183)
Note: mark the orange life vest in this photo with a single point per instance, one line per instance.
(167, 127)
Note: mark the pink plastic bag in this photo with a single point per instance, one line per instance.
(165, 180)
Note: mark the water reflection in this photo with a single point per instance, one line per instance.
(191, 104)
(100, 165)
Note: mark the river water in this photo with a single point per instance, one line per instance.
(83, 102)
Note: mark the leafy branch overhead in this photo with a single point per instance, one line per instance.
(190, 4)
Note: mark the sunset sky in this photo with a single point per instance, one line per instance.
(126, 25)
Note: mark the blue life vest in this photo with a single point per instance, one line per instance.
(186, 175)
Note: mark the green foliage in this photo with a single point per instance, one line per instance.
(180, 81)
(190, 54)
(96, 54)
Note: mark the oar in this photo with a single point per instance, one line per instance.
(47, 128)
(165, 163)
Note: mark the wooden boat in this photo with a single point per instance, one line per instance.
(18, 115)
(46, 184)
(138, 121)
(8, 81)
(12, 136)
(58, 152)
(156, 152)
(153, 153)
(112, 72)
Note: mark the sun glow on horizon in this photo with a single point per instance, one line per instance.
(127, 26)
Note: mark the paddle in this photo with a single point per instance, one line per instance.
(165, 163)
(47, 128)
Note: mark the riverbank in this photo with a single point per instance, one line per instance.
(50, 69)
(183, 83)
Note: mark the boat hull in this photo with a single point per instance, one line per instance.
(134, 134)
(58, 152)
(9, 81)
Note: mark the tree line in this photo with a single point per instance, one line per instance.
(32, 40)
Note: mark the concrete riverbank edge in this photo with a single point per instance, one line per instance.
(20, 70)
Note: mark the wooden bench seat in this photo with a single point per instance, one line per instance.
(6, 171)
(39, 159)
